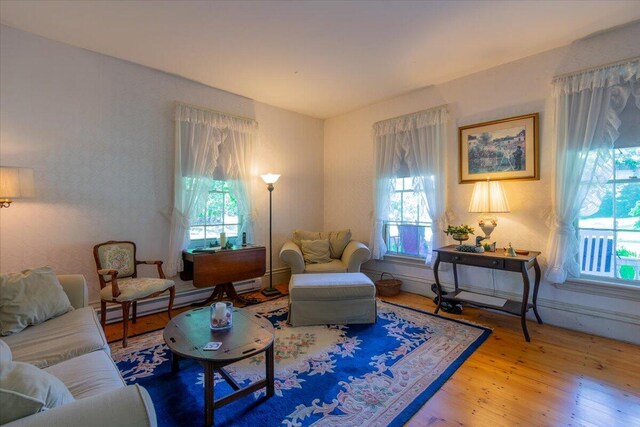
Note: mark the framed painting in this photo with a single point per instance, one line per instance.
(504, 149)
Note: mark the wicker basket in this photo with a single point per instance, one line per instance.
(388, 287)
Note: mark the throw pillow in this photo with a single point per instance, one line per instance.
(5, 352)
(316, 251)
(338, 241)
(300, 235)
(30, 298)
(26, 390)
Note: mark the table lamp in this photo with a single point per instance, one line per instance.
(15, 183)
(270, 179)
(488, 198)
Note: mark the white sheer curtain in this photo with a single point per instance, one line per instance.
(416, 140)
(586, 127)
(205, 142)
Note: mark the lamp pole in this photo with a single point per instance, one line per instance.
(270, 179)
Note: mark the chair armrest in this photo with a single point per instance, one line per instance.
(115, 290)
(291, 255)
(127, 406)
(355, 254)
(158, 263)
(75, 286)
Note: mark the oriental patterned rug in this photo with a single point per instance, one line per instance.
(333, 375)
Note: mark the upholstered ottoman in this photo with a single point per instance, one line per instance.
(337, 298)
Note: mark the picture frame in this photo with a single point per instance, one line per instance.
(501, 150)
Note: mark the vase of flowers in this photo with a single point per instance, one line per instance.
(459, 233)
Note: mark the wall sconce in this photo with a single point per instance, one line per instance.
(15, 183)
(488, 197)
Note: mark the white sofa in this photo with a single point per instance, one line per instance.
(73, 348)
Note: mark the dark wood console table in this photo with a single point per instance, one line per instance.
(223, 267)
(495, 261)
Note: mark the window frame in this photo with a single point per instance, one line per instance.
(399, 223)
(208, 241)
(614, 230)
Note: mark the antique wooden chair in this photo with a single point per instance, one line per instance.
(119, 282)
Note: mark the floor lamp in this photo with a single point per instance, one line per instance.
(270, 179)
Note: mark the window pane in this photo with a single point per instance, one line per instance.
(628, 256)
(603, 217)
(395, 211)
(214, 208)
(196, 233)
(628, 163)
(213, 232)
(411, 240)
(217, 185)
(410, 207)
(408, 183)
(628, 206)
(396, 184)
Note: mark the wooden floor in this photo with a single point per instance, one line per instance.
(561, 378)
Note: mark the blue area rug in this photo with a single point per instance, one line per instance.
(331, 375)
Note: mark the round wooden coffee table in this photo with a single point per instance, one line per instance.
(251, 334)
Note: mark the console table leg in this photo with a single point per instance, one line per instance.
(438, 287)
(536, 285)
(208, 394)
(525, 302)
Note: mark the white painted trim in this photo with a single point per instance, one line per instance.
(608, 289)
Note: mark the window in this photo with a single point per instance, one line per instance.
(219, 214)
(610, 237)
(407, 232)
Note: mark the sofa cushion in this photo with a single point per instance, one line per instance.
(30, 298)
(75, 333)
(331, 287)
(315, 251)
(26, 390)
(5, 352)
(338, 240)
(335, 266)
(88, 375)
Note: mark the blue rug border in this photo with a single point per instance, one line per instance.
(417, 403)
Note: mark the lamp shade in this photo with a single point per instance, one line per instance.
(488, 197)
(270, 178)
(16, 183)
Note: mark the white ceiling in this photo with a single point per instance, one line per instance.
(318, 58)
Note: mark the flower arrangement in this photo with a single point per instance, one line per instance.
(460, 229)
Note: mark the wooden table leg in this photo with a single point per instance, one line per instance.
(208, 394)
(438, 287)
(536, 284)
(525, 301)
(270, 371)
(175, 362)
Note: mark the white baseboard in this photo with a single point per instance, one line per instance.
(587, 319)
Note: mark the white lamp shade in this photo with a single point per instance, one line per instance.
(488, 197)
(16, 183)
(270, 178)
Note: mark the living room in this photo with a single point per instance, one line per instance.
(91, 111)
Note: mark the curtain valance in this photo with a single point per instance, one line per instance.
(421, 119)
(193, 114)
(607, 76)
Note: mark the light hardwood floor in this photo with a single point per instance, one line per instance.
(560, 378)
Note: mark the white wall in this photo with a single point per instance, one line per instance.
(98, 133)
(512, 89)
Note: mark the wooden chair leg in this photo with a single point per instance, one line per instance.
(135, 312)
(172, 296)
(103, 313)
(125, 322)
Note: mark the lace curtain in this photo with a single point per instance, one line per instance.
(587, 108)
(208, 145)
(415, 141)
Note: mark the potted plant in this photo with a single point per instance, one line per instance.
(459, 233)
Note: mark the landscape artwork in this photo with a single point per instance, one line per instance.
(500, 150)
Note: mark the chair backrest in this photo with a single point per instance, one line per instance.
(116, 255)
(596, 253)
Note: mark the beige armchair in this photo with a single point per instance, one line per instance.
(344, 256)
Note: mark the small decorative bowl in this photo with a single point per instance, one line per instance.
(522, 252)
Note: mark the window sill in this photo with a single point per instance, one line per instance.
(406, 260)
(601, 288)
